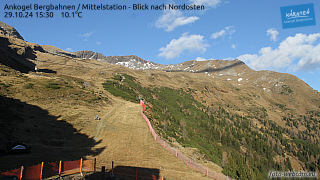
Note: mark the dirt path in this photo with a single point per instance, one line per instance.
(128, 142)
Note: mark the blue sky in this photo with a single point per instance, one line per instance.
(227, 29)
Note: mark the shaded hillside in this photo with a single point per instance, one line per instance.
(17, 53)
(51, 139)
(52, 135)
(10, 57)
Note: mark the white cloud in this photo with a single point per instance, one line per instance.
(87, 35)
(172, 19)
(225, 31)
(191, 43)
(233, 46)
(201, 59)
(299, 53)
(69, 49)
(208, 3)
(98, 43)
(273, 33)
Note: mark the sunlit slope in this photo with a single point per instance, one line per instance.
(128, 142)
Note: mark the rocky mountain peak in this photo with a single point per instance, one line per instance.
(10, 31)
(90, 55)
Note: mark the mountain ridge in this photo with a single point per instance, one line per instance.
(9, 31)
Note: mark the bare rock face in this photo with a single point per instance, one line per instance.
(9, 31)
(116, 59)
(90, 55)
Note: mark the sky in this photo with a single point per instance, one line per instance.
(226, 29)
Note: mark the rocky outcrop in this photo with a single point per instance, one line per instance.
(9, 31)
(116, 59)
(90, 55)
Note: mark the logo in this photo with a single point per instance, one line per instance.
(297, 16)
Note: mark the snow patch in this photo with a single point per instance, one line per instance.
(240, 79)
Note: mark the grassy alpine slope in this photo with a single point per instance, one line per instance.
(244, 149)
(54, 114)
